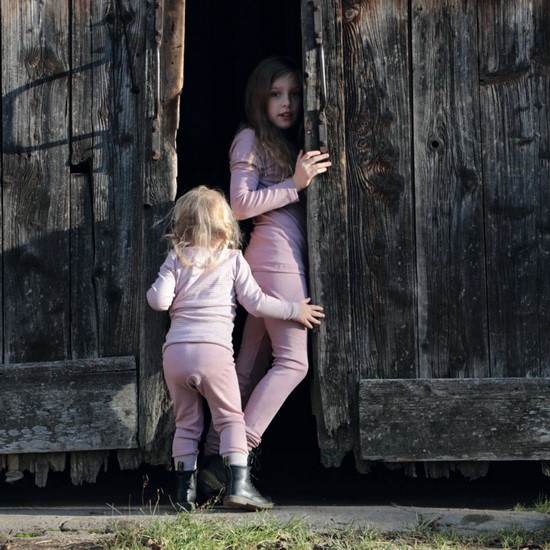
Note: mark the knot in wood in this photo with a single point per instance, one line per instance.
(436, 144)
(351, 11)
(351, 14)
(43, 62)
(386, 187)
(470, 181)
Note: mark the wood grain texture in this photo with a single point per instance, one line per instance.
(380, 206)
(87, 60)
(84, 314)
(80, 92)
(327, 218)
(455, 419)
(86, 465)
(541, 112)
(40, 464)
(164, 82)
(69, 405)
(380, 196)
(452, 311)
(119, 38)
(511, 187)
(35, 181)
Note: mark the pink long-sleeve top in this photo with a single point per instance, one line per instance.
(202, 301)
(279, 239)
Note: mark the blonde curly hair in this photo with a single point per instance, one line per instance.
(202, 217)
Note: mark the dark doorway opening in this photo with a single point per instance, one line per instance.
(223, 43)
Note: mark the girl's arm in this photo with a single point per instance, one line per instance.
(162, 292)
(259, 304)
(247, 200)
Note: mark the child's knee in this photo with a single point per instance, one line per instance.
(294, 370)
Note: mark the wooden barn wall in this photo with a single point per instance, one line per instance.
(445, 117)
(90, 98)
(541, 68)
(452, 317)
(328, 225)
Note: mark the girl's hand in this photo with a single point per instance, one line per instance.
(308, 166)
(310, 314)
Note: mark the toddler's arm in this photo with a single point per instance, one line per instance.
(162, 292)
(259, 304)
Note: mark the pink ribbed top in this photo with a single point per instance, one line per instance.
(279, 240)
(202, 301)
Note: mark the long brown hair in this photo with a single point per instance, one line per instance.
(283, 146)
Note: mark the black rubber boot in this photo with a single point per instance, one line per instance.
(240, 493)
(211, 480)
(186, 483)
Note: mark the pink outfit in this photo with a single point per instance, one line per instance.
(195, 369)
(277, 254)
(198, 352)
(279, 241)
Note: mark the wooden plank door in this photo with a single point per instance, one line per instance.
(443, 113)
(512, 109)
(90, 100)
(327, 225)
(450, 248)
(360, 214)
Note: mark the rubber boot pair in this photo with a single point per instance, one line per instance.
(240, 492)
(186, 488)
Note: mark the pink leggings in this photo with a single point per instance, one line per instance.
(264, 391)
(196, 369)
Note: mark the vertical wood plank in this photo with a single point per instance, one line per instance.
(378, 138)
(2, 360)
(452, 318)
(328, 227)
(85, 55)
(512, 197)
(84, 317)
(35, 180)
(118, 38)
(541, 63)
(163, 83)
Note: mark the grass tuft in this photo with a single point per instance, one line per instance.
(264, 532)
(542, 504)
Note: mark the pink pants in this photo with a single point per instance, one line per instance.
(196, 369)
(264, 391)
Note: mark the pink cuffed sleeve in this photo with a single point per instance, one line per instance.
(162, 292)
(248, 198)
(255, 301)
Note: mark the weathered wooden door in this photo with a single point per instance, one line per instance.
(429, 237)
(90, 94)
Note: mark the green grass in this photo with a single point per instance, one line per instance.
(541, 505)
(263, 532)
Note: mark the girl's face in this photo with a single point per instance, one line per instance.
(285, 102)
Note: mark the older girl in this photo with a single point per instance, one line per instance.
(269, 177)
